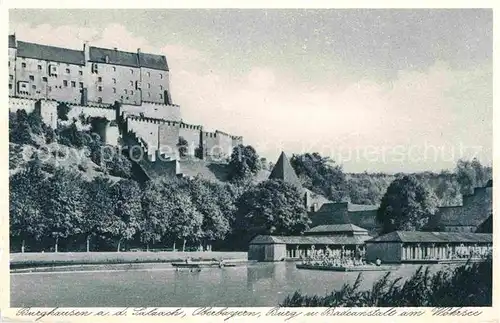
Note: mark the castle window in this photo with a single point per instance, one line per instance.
(125, 91)
(131, 71)
(99, 100)
(94, 68)
(149, 95)
(39, 67)
(23, 65)
(161, 87)
(67, 71)
(80, 72)
(33, 87)
(114, 69)
(149, 74)
(131, 83)
(81, 85)
(65, 83)
(114, 81)
(114, 90)
(131, 92)
(32, 78)
(99, 79)
(149, 86)
(73, 84)
(11, 77)
(10, 86)
(50, 88)
(161, 96)
(99, 89)
(44, 79)
(161, 75)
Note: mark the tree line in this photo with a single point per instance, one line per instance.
(48, 211)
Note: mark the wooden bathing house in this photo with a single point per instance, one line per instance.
(343, 239)
(428, 247)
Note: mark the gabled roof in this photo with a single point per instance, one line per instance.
(116, 57)
(435, 237)
(336, 228)
(50, 53)
(361, 207)
(157, 62)
(284, 171)
(309, 240)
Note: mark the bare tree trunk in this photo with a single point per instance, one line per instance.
(57, 242)
(184, 246)
(88, 243)
(173, 247)
(147, 247)
(22, 246)
(119, 245)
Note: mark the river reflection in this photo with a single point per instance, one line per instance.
(261, 284)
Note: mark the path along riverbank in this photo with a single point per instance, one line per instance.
(49, 259)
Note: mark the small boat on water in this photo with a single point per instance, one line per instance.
(347, 268)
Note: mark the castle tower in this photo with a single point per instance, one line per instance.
(284, 171)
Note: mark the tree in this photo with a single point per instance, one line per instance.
(155, 222)
(207, 198)
(62, 111)
(321, 175)
(471, 174)
(124, 221)
(25, 203)
(406, 205)
(99, 207)
(182, 145)
(20, 129)
(244, 163)
(64, 204)
(271, 207)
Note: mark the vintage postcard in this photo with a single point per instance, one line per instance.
(229, 164)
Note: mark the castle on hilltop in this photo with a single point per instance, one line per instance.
(92, 80)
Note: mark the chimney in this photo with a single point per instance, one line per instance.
(138, 50)
(86, 51)
(115, 49)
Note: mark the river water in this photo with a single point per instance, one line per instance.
(260, 284)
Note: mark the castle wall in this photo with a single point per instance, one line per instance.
(48, 109)
(169, 138)
(155, 86)
(146, 130)
(112, 135)
(91, 111)
(154, 110)
(108, 83)
(12, 71)
(225, 143)
(192, 134)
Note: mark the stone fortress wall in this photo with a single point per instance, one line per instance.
(90, 81)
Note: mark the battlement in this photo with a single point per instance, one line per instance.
(190, 126)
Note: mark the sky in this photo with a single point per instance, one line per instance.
(378, 90)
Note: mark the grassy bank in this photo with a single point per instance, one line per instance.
(29, 260)
(466, 285)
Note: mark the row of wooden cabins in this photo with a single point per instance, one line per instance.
(348, 240)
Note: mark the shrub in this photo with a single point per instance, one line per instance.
(467, 285)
